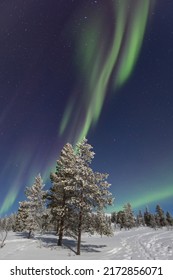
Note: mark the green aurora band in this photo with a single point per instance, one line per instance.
(145, 199)
(9, 200)
(106, 59)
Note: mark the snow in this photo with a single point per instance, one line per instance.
(135, 244)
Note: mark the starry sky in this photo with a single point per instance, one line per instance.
(94, 68)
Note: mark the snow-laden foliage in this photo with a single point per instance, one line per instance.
(77, 191)
(31, 213)
(126, 219)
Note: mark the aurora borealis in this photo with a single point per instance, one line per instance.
(114, 60)
(100, 69)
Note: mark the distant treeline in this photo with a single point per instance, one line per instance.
(126, 218)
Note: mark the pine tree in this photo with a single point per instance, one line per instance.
(91, 190)
(36, 197)
(60, 195)
(21, 217)
(114, 217)
(121, 220)
(140, 219)
(153, 221)
(160, 217)
(77, 191)
(30, 215)
(101, 224)
(169, 219)
(149, 219)
(129, 216)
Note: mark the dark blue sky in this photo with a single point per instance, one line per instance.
(42, 72)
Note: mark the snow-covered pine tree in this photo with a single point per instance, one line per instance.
(61, 193)
(169, 219)
(30, 213)
(36, 196)
(149, 219)
(129, 216)
(160, 217)
(22, 215)
(101, 224)
(140, 219)
(91, 188)
(114, 217)
(76, 191)
(153, 221)
(121, 220)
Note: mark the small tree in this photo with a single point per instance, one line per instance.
(31, 212)
(121, 220)
(160, 217)
(36, 197)
(129, 217)
(4, 228)
(21, 217)
(169, 219)
(114, 217)
(149, 219)
(101, 224)
(140, 219)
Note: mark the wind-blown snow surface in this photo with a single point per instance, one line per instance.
(134, 244)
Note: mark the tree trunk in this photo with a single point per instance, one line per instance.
(29, 234)
(79, 233)
(61, 226)
(61, 229)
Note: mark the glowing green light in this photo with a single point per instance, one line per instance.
(105, 56)
(146, 199)
(9, 200)
(135, 37)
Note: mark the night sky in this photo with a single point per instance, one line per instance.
(101, 69)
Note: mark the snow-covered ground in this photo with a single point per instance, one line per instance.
(136, 244)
